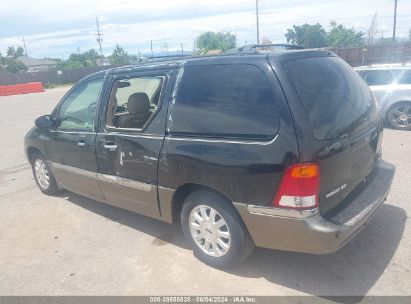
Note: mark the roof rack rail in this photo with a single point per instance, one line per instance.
(166, 57)
(255, 48)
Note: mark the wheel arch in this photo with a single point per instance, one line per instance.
(31, 151)
(181, 194)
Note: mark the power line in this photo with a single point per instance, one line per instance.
(99, 38)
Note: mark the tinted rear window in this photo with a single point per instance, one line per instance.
(224, 100)
(334, 96)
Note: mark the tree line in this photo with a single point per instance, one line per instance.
(306, 35)
(119, 56)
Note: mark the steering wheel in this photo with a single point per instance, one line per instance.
(73, 119)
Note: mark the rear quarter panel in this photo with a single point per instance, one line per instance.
(244, 171)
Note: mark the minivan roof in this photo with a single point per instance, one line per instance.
(280, 55)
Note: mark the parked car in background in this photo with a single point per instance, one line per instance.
(391, 85)
(279, 150)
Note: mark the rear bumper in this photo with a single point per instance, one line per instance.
(310, 232)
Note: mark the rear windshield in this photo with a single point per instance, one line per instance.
(334, 96)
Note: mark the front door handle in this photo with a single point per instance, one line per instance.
(81, 143)
(110, 146)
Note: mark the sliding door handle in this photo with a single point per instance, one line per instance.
(110, 146)
(81, 143)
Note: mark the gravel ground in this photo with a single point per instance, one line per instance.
(69, 245)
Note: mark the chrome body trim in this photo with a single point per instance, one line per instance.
(124, 182)
(111, 132)
(279, 212)
(228, 141)
(165, 199)
(104, 177)
(72, 132)
(74, 170)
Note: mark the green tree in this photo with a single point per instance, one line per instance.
(19, 51)
(120, 56)
(13, 52)
(2, 64)
(342, 37)
(307, 35)
(10, 51)
(215, 41)
(14, 66)
(79, 60)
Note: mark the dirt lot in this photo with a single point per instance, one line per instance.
(69, 245)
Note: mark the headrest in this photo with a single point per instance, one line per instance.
(138, 103)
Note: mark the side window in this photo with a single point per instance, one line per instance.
(133, 101)
(404, 76)
(78, 110)
(375, 78)
(225, 100)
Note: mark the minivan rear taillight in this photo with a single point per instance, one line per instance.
(299, 187)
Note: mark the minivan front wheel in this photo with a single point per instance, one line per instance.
(43, 176)
(399, 116)
(215, 231)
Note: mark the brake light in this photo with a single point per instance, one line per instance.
(299, 187)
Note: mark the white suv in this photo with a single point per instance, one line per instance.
(391, 85)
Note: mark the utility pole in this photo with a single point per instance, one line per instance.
(25, 49)
(182, 50)
(78, 51)
(99, 38)
(258, 25)
(395, 21)
(151, 47)
(394, 30)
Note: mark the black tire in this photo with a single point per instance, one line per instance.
(52, 187)
(391, 115)
(241, 245)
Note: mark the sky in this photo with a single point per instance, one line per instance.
(57, 28)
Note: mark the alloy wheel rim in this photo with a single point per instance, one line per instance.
(42, 174)
(400, 116)
(209, 230)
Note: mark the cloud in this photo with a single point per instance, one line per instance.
(58, 28)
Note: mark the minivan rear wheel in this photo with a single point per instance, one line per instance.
(399, 116)
(214, 230)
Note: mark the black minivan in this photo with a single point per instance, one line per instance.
(279, 150)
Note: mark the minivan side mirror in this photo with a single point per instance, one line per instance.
(44, 121)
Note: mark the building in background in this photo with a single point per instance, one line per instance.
(37, 65)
